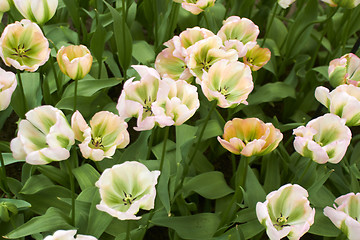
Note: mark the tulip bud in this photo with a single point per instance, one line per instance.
(195, 6)
(345, 70)
(342, 3)
(74, 61)
(39, 11)
(5, 5)
(68, 235)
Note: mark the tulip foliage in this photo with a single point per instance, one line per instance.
(180, 119)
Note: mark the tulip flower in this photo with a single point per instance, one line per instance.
(257, 57)
(229, 83)
(250, 137)
(68, 235)
(5, 5)
(44, 136)
(8, 84)
(106, 133)
(176, 100)
(126, 188)
(39, 11)
(239, 34)
(136, 99)
(343, 3)
(343, 101)
(173, 67)
(345, 70)
(23, 46)
(286, 212)
(324, 139)
(204, 53)
(285, 3)
(345, 214)
(74, 61)
(195, 6)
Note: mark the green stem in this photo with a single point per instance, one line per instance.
(123, 25)
(57, 80)
(75, 94)
(268, 27)
(4, 178)
(22, 91)
(128, 229)
(241, 171)
(188, 164)
(72, 186)
(164, 149)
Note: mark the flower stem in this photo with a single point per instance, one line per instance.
(270, 23)
(57, 80)
(72, 186)
(75, 94)
(128, 230)
(305, 171)
(151, 141)
(4, 178)
(164, 149)
(188, 164)
(22, 91)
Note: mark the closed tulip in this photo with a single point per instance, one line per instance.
(250, 137)
(74, 61)
(345, 70)
(196, 6)
(39, 11)
(8, 84)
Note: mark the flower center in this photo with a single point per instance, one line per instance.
(250, 60)
(224, 91)
(281, 222)
(128, 199)
(21, 51)
(97, 142)
(147, 106)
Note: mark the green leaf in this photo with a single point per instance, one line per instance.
(73, 8)
(143, 52)
(200, 184)
(89, 87)
(52, 220)
(55, 174)
(20, 204)
(86, 176)
(35, 184)
(271, 92)
(8, 159)
(254, 191)
(199, 226)
(98, 39)
(123, 38)
(323, 226)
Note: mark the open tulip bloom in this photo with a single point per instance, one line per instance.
(8, 84)
(239, 34)
(345, 70)
(44, 136)
(106, 133)
(343, 3)
(229, 83)
(324, 139)
(286, 212)
(257, 57)
(343, 101)
(195, 6)
(250, 137)
(23, 46)
(68, 235)
(346, 215)
(39, 11)
(126, 188)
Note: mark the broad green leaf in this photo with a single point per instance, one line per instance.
(20, 204)
(98, 220)
(323, 226)
(271, 92)
(8, 159)
(35, 184)
(55, 174)
(254, 191)
(97, 40)
(143, 52)
(251, 229)
(201, 185)
(86, 176)
(199, 226)
(138, 149)
(52, 220)
(73, 8)
(89, 87)
(123, 38)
